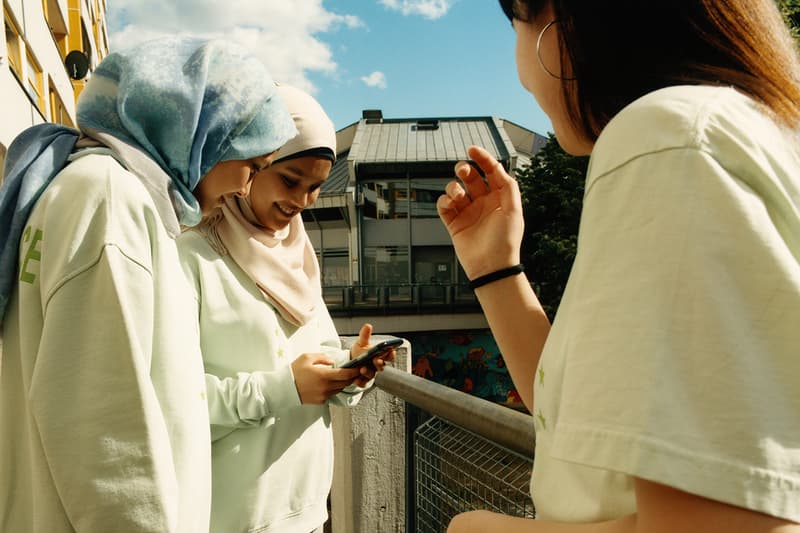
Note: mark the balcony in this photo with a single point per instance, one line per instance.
(414, 453)
(400, 299)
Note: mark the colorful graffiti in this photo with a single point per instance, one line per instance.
(467, 361)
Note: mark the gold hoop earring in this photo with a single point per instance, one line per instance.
(539, 52)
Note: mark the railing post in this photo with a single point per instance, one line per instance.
(347, 297)
(369, 487)
(448, 294)
(383, 295)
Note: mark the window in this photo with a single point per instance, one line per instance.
(434, 264)
(385, 265)
(58, 112)
(424, 194)
(14, 45)
(397, 198)
(335, 267)
(58, 28)
(34, 83)
(23, 64)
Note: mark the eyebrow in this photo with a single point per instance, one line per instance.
(297, 171)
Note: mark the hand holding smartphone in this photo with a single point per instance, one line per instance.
(380, 349)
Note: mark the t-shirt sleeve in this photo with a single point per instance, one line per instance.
(682, 365)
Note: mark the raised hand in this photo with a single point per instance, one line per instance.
(361, 346)
(484, 218)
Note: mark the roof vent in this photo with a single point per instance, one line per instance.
(426, 125)
(372, 116)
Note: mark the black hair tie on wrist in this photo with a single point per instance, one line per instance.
(480, 281)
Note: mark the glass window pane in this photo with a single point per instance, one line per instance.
(386, 265)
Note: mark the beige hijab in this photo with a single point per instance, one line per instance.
(282, 264)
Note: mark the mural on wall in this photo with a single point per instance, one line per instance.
(467, 361)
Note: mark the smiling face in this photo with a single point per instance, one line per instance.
(283, 190)
(228, 178)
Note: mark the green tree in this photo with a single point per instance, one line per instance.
(552, 195)
(791, 14)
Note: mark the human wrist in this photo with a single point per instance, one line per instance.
(496, 275)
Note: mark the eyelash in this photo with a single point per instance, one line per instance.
(291, 184)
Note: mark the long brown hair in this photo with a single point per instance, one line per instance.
(621, 50)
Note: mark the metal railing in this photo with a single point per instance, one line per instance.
(352, 300)
(456, 470)
(509, 428)
(472, 453)
(405, 298)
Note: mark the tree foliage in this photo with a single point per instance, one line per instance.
(791, 14)
(552, 195)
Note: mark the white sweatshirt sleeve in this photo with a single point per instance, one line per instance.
(250, 398)
(92, 399)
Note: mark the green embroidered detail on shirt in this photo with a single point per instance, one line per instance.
(541, 419)
(280, 352)
(541, 375)
(203, 395)
(33, 254)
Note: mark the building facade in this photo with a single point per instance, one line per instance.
(385, 256)
(375, 226)
(387, 259)
(49, 49)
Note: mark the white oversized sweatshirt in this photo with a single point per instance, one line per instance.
(103, 415)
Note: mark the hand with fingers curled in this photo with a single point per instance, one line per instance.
(483, 217)
(316, 379)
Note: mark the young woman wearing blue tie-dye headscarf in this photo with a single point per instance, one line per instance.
(103, 414)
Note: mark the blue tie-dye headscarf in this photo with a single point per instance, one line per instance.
(186, 103)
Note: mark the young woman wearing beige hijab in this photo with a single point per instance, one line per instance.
(269, 345)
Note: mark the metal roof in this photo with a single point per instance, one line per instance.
(414, 141)
(338, 177)
(426, 140)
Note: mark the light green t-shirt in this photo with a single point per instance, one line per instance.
(675, 354)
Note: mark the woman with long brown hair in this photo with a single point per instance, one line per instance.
(665, 395)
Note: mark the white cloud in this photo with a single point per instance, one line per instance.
(283, 34)
(430, 9)
(375, 79)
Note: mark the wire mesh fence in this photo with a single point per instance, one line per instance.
(457, 470)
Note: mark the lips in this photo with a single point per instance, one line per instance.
(286, 211)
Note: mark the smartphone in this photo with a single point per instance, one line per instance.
(382, 348)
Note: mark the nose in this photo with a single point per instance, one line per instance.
(244, 191)
(301, 199)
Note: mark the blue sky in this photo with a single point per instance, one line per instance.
(410, 58)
